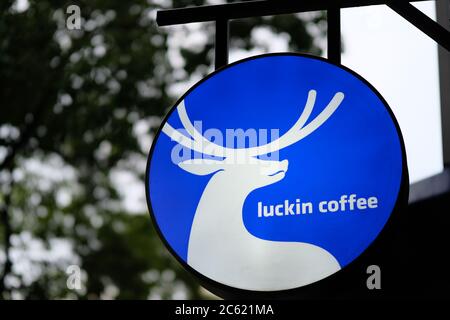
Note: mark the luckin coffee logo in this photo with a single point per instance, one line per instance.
(346, 203)
(220, 247)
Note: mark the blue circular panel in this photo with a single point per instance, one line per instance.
(280, 220)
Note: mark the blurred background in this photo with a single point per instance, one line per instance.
(79, 108)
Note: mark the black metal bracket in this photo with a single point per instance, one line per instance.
(334, 35)
(223, 13)
(222, 38)
(421, 21)
(248, 9)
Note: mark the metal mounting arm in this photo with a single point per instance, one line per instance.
(223, 13)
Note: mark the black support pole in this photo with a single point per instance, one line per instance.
(222, 35)
(424, 23)
(223, 13)
(334, 35)
(247, 9)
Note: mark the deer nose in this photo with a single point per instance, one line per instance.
(284, 165)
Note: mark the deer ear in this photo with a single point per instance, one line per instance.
(201, 167)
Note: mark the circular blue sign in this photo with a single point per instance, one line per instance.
(275, 172)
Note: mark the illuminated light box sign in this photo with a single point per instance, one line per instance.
(275, 172)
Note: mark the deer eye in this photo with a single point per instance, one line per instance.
(206, 156)
(267, 156)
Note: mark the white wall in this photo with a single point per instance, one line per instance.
(401, 62)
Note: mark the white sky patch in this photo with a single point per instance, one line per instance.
(179, 88)
(130, 188)
(175, 57)
(401, 62)
(64, 197)
(166, 284)
(142, 131)
(50, 174)
(63, 39)
(264, 41)
(239, 54)
(191, 37)
(215, 2)
(162, 3)
(104, 150)
(146, 89)
(110, 292)
(272, 42)
(125, 176)
(8, 131)
(20, 6)
(28, 254)
(196, 39)
(50, 171)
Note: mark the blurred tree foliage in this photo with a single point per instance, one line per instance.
(70, 101)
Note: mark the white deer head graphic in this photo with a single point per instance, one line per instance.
(220, 247)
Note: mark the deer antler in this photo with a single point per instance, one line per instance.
(197, 142)
(297, 132)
